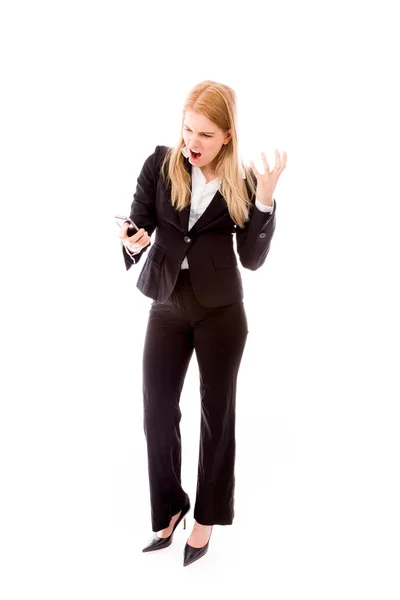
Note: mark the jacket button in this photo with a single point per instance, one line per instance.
(187, 239)
(262, 235)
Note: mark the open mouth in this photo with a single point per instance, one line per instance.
(195, 155)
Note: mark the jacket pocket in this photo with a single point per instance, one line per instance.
(222, 261)
(156, 254)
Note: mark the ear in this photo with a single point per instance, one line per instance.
(228, 137)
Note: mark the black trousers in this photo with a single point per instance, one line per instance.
(218, 335)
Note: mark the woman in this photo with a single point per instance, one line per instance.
(196, 195)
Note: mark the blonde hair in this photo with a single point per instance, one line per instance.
(217, 102)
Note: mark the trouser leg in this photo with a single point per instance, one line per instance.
(168, 348)
(219, 341)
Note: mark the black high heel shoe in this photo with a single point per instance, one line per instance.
(191, 554)
(156, 543)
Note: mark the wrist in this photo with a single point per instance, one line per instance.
(266, 201)
(132, 251)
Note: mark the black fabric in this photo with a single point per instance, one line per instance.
(208, 245)
(218, 335)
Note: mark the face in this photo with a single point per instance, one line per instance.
(203, 136)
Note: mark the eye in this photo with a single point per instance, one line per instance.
(203, 134)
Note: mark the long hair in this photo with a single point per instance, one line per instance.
(217, 102)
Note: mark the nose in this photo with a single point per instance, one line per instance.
(193, 141)
(194, 144)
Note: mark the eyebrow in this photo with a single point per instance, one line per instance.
(211, 132)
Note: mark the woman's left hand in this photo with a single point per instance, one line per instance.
(266, 182)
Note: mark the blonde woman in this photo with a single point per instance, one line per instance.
(197, 197)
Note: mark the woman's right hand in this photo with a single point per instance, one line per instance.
(134, 243)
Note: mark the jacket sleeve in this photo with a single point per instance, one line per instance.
(254, 240)
(143, 207)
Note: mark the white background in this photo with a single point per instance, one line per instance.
(88, 90)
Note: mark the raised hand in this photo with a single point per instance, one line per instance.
(266, 182)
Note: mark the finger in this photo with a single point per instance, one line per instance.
(144, 241)
(137, 236)
(264, 158)
(278, 163)
(132, 238)
(124, 227)
(139, 245)
(283, 162)
(253, 166)
(278, 160)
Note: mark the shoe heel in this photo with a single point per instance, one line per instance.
(184, 523)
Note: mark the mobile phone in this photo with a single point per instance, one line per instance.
(132, 229)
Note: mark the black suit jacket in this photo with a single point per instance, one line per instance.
(208, 245)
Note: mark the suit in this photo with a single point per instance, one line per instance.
(197, 308)
(208, 245)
